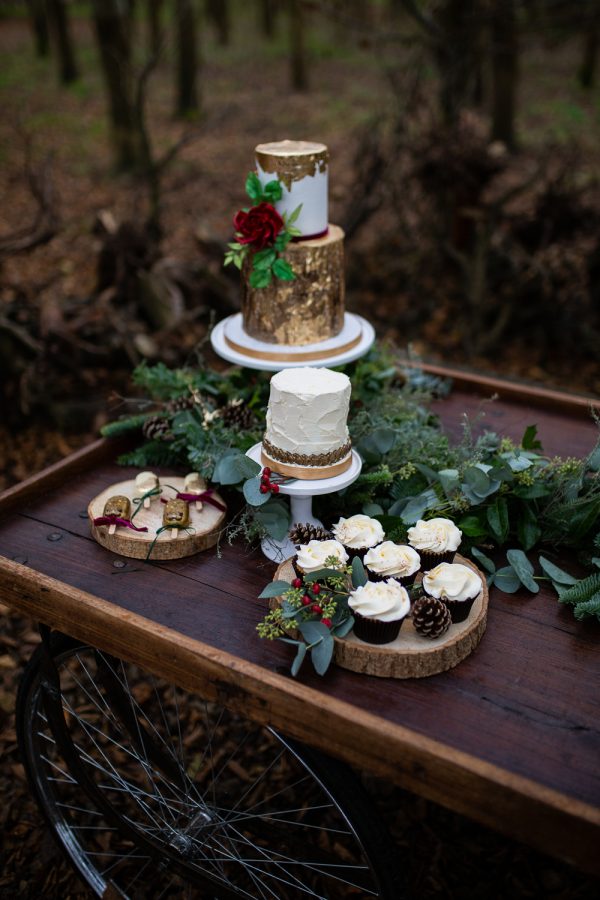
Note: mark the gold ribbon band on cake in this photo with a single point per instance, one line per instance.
(307, 473)
(308, 356)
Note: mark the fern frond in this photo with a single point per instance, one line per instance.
(582, 591)
(591, 607)
(122, 426)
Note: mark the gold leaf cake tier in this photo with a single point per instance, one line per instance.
(308, 309)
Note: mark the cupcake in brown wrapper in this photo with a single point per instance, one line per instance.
(358, 534)
(373, 631)
(312, 556)
(456, 585)
(379, 609)
(436, 541)
(390, 560)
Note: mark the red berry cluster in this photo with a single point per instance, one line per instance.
(266, 484)
(307, 600)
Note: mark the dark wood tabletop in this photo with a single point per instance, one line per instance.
(510, 737)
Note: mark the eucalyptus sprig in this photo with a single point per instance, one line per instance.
(311, 610)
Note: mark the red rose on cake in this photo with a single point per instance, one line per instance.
(259, 226)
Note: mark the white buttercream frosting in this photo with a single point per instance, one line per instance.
(308, 410)
(383, 600)
(145, 482)
(435, 535)
(452, 581)
(312, 556)
(392, 559)
(358, 532)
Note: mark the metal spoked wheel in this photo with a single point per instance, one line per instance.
(156, 793)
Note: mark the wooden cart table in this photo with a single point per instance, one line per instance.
(511, 737)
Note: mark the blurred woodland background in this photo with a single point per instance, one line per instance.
(465, 163)
(464, 140)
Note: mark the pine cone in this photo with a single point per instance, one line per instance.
(179, 404)
(157, 428)
(431, 617)
(237, 415)
(302, 533)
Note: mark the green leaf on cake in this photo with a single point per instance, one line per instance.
(283, 270)
(281, 241)
(254, 187)
(264, 259)
(260, 278)
(294, 216)
(273, 191)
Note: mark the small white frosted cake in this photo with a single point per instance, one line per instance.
(307, 431)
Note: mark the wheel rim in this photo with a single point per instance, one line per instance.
(190, 794)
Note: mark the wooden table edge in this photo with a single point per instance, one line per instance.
(551, 821)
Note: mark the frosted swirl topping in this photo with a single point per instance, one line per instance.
(435, 535)
(452, 581)
(392, 559)
(386, 601)
(358, 532)
(312, 556)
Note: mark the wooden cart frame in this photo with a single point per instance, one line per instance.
(510, 738)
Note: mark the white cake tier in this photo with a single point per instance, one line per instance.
(307, 415)
(302, 169)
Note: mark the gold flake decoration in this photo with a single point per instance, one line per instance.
(290, 161)
(310, 308)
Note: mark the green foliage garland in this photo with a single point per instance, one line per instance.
(501, 494)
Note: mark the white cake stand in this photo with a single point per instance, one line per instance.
(356, 331)
(301, 494)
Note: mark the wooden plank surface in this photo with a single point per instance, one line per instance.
(510, 737)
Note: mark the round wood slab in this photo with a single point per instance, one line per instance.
(206, 523)
(410, 655)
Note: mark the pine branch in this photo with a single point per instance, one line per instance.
(590, 607)
(151, 454)
(125, 425)
(583, 591)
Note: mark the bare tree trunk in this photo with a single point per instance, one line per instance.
(504, 71)
(155, 9)
(299, 72)
(187, 58)
(110, 21)
(587, 72)
(456, 21)
(268, 22)
(61, 33)
(218, 10)
(39, 22)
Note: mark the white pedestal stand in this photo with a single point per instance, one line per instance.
(301, 494)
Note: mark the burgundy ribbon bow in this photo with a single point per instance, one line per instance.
(204, 496)
(117, 520)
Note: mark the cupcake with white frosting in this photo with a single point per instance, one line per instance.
(390, 560)
(435, 540)
(311, 557)
(456, 585)
(358, 534)
(379, 609)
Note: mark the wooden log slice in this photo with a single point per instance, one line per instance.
(206, 524)
(411, 655)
